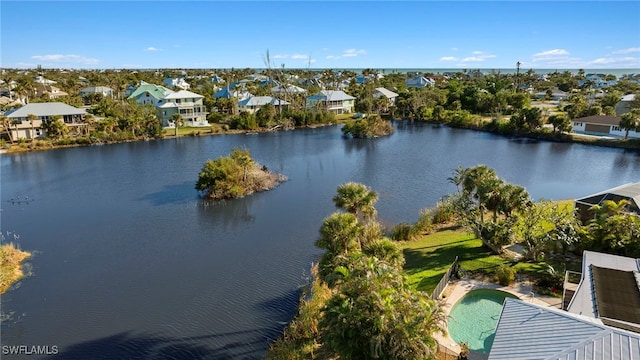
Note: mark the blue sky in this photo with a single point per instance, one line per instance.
(320, 34)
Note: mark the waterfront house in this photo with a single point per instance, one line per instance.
(335, 101)
(599, 319)
(419, 82)
(601, 125)
(168, 102)
(384, 93)
(23, 128)
(624, 105)
(629, 192)
(254, 103)
(530, 331)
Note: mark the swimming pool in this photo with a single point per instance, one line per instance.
(474, 317)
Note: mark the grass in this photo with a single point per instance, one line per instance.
(10, 265)
(427, 259)
(188, 130)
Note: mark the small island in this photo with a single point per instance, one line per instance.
(235, 176)
(10, 265)
(366, 127)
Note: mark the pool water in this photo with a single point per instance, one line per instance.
(474, 317)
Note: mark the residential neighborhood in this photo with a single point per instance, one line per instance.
(594, 103)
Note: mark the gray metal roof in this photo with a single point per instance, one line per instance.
(386, 93)
(261, 101)
(331, 95)
(529, 331)
(46, 109)
(183, 94)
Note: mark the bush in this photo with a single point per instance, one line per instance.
(424, 222)
(403, 232)
(506, 275)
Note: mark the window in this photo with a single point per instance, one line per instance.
(615, 128)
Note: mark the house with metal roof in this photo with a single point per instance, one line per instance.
(529, 331)
(179, 83)
(387, 94)
(102, 90)
(287, 90)
(624, 105)
(629, 192)
(336, 101)
(601, 125)
(419, 82)
(234, 90)
(168, 102)
(24, 128)
(254, 103)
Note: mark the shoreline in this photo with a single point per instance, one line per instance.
(585, 139)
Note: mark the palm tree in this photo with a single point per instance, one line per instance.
(629, 121)
(177, 121)
(32, 118)
(356, 199)
(6, 124)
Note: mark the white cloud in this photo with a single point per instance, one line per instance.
(71, 58)
(348, 54)
(603, 61)
(479, 56)
(299, 57)
(353, 52)
(616, 62)
(454, 49)
(550, 53)
(280, 56)
(448, 58)
(151, 48)
(627, 51)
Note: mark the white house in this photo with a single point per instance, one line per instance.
(189, 105)
(23, 128)
(335, 101)
(177, 83)
(601, 125)
(102, 90)
(254, 103)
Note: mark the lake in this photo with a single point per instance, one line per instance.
(129, 262)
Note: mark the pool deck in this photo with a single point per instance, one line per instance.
(522, 289)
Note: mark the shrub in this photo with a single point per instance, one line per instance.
(505, 275)
(403, 232)
(424, 221)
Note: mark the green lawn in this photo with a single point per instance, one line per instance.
(186, 130)
(429, 258)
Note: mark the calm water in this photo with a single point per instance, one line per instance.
(129, 263)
